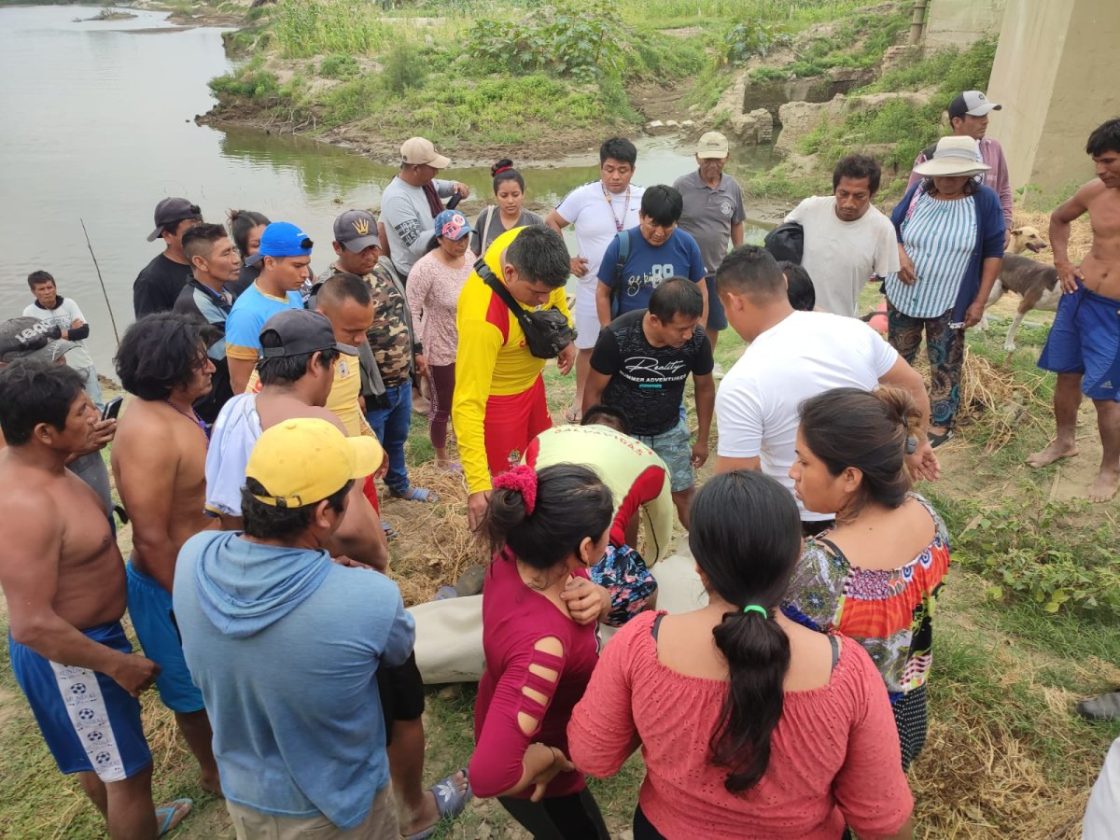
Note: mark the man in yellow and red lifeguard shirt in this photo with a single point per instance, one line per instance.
(499, 403)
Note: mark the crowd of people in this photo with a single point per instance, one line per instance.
(783, 695)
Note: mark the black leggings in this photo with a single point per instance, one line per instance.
(572, 817)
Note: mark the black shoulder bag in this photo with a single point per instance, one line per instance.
(547, 331)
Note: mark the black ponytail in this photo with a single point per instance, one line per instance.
(746, 537)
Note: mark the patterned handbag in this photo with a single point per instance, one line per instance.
(623, 572)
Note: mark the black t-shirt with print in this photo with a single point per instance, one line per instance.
(158, 285)
(647, 382)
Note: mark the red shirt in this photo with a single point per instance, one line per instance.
(834, 755)
(514, 619)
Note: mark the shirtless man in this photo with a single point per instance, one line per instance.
(1083, 347)
(63, 579)
(159, 461)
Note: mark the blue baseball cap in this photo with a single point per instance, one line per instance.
(453, 225)
(282, 239)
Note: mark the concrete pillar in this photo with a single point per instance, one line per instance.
(1055, 75)
(957, 23)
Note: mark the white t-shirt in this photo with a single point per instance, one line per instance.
(804, 355)
(1102, 814)
(63, 315)
(597, 222)
(841, 256)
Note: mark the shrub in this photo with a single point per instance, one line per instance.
(338, 67)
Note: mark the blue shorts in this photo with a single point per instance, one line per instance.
(90, 723)
(1085, 339)
(717, 318)
(675, 449)
(149, 606)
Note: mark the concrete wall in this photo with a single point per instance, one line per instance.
(1054, 75)
(957, 23)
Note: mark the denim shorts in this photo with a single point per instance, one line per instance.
(675, 449)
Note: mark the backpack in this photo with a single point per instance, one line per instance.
(619, 265)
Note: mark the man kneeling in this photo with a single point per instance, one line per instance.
(285, 644)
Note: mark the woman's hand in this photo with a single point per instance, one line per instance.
(906, 268)
(560, 764)
(586, 601)
(974, 314)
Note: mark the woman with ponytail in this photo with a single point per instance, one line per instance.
(750, 725)
(508, 212)
(876, 574)
(545, 530)
(245, 228)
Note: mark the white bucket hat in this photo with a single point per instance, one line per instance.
(954, 156)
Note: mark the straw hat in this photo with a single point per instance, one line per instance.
(954, 156)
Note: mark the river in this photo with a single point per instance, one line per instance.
(99, 125)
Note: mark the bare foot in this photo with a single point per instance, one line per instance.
(212, 786)
(1104, 488)
(429, 814)
(1054, 452)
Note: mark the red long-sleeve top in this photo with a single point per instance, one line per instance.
(514, 619)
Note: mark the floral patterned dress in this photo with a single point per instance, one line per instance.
(889, 612)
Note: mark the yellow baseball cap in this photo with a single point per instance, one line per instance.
(305, 460)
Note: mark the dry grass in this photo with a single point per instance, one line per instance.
(999, 399)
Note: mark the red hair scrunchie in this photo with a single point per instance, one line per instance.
(521, 479)
(500, 170)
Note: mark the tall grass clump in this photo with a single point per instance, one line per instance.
(306, 28)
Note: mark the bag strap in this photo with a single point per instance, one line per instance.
(483, 226)
(499, 288)
(623, 256)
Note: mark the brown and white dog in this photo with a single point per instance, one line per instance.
(1035, 282)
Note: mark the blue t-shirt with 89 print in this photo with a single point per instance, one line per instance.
(648, 266)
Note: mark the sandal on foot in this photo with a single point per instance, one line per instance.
(572, 415)
(450, 802)
(170, 815)
(452, 467)
(936, 440)
(390, 532)
(415, 494)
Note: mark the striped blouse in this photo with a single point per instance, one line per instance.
(939, 235)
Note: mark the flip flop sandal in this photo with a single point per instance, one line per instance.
(390, 532)
(936, 440)
(166, 814)
(415, 494)
(572, 415)
(450, 802)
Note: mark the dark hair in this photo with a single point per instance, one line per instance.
(35, 392)
(503, 171)
(241, 224)
(857, 167)
(572, 503)
(344, 286)
(620, 149)
(1105, 138)
(270, 522)
(173, 227)
(751, 270)
(799, 286)
(615, 417)
(746, 538)
(677, 295)
(850, 427)
(540, 256)
(663, 204)
(280, 370)
(201, 238)
(159, 353)
(35, 278)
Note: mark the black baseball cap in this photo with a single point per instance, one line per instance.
(301, 331)
(32, 340)
(357, 230)
(972, 102)
(172, 210)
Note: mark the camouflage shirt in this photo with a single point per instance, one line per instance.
(390, 337)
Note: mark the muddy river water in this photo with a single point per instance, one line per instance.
(99, 125)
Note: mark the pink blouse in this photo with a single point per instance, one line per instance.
(433, 296)
(834, 756)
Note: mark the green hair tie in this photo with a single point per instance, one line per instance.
(758, 609)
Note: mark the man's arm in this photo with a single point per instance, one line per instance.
(737, 234)
(1060, 221)
(593, 388)
(240, 370)
(603, 303)
(29, 577)
(1003, 187)
(555, 221)
(705, 395)
(360, 535)
(145, 475)
(475, 358)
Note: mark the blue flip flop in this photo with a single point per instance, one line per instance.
(165, 814)
(415, 494)
(450, 803)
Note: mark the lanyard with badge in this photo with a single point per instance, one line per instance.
(618, 223)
